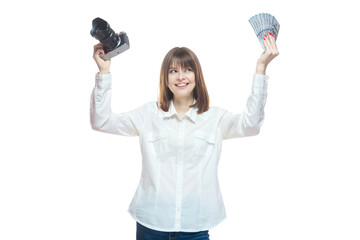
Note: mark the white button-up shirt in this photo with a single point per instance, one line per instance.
(178, 188)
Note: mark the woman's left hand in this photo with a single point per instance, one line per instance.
(270, 53)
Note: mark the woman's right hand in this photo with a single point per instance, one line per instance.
(104, 66)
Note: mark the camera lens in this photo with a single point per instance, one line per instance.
(101, 31)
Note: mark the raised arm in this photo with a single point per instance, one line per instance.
(101, 116)
(249, 122)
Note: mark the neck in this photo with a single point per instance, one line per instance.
(182, 104)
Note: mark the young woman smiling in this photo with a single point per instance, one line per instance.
(178, 196)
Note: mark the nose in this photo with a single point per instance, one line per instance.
(181, 75)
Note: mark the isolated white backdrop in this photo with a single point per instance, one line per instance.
(298, 179)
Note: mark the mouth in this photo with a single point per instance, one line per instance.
(181, 85)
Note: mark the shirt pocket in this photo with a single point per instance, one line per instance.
(204, 143)
(158, 144)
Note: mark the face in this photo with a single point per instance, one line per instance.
(181, 81)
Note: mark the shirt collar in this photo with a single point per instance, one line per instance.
(191, 113)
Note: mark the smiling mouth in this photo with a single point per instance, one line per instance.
(182, 85)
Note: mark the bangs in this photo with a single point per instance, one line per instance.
(182, 59)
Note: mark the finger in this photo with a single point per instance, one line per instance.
(98, 49)
(266, 43)
(270, 41)
(96, 55)
(272, 37)
(273, 42)
(98, 46)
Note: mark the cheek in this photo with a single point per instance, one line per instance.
(193, 77)
(171, 78)
(170, 81)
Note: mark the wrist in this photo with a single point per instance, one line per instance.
(102, 72)
(260, 69)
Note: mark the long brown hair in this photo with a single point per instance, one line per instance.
(183, 57)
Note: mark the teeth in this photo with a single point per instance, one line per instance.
(180, 85)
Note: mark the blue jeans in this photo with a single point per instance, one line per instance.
(144, 233)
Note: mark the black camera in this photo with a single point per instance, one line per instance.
(113, 43)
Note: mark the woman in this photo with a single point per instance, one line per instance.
(178, 195)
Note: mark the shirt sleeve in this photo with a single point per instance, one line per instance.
(249, 122)
(103, 119)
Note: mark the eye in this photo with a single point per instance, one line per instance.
(173, 71)
(188, 70)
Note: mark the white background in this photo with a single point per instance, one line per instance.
(298, 179)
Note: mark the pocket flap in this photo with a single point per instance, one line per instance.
(209, 137)
(154, 136)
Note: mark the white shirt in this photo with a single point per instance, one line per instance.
(178, 188)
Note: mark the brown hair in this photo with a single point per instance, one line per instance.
(183, 57)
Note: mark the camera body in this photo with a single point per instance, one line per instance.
(123, 46)
(113, 43)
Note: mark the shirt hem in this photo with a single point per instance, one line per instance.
(173, 230)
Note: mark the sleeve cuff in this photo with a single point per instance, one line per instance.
(260, 83)
(103, 80)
